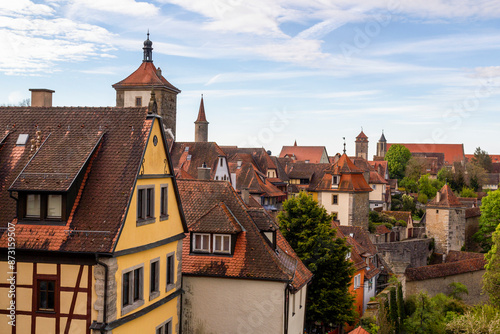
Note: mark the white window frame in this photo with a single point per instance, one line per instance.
(222, 251)
(357, 281)
(203, 249)
(133, 304)
(335, 181)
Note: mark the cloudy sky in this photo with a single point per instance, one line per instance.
(274, 71)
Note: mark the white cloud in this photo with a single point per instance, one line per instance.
(122, 7)
(24, 7)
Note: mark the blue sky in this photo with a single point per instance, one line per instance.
(274, 71)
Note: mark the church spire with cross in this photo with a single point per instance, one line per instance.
(148, 50)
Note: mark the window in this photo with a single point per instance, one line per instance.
(170, 271)
(132, 288)
(357, 281)
(335, 199)
(165, 328)
(42, 206)
(33, 205)
(293, 304)
(154, 279)
(335, 181)
(300, 298)
(201, 242)
(164, 202)
(138, 101)
(221, 163)
(374, 186)
(145, 205)
(46, 295)
(222, 243)
(54, 206)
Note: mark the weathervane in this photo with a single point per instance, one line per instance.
(344, 142)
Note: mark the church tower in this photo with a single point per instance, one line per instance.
(135, 90)
(382, 146)
(362, 146)
(201, 125)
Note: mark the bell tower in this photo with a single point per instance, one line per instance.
(362, 146)
(135, 90)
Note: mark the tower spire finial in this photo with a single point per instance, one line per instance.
(148, 50)
(344, 144)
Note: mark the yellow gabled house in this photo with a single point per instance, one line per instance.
(91, 226)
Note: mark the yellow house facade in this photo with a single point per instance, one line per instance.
(91, 227)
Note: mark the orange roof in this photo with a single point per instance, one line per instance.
(358, 330)
(303, 153)
(447, 199)
(146, 76)
(361, 136)
(495, 158)
(201, 112)
(452, 152)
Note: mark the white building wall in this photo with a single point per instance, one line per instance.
(369, 292)
(222, 170)
(297, 311)
(342, 207)
(233, 306)
(130, 95)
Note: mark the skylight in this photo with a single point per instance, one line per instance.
(22, 139)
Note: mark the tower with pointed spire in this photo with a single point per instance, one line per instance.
(135, 90)
(362, 145)
(201, 125)
(382, 146)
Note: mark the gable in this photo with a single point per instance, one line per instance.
(155, 173)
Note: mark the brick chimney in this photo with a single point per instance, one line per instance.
(41, 97)
(245, 195)
(204, 172)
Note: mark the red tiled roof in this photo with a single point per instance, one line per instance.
(188, 156)
(445, 269)
(400, 215)
(362, 136)
(359, 330)
(452, 152)
(382, 229)
(495, 158)
(351, 177)
(260, 158)
(472, 212)
(303, 153)
(146, 76)
(253, 257)
(201, 112)
(219, 219)
(447, 199)
(376, 178)
(454, 256)
(107, 179)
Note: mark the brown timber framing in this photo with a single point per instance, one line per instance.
(57, 315)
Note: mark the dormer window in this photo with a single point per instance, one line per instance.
(201, 242)
(335, 181)
(222, 243)
(42, 206)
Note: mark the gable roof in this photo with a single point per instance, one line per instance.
(219, 219)
(118, 140)
(253, 257)
(445, 269)
(188, 156)
(400, 215)
(445, 199)
(303, 153)
(359, 330)
(351, 177)
(146, 77)
(201, 112)
(260, 158)
(452, 152)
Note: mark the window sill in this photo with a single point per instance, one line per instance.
(147, 221)
(153, 295)
(169, 287)
(162, 218)
(129, 308)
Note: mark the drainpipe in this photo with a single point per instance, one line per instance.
(17, 203)
(287, 306)
(104, 308)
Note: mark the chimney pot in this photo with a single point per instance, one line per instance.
(41, 97)
(204, 172)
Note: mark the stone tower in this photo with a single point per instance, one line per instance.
(201, 125)
(445, 221)
(362, 146)
(382, 146)
(135, 90)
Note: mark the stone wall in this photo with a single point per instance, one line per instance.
(99, 276)
(167, 105)
(405, 254)
(447, 227)
(360, 207)
(472, 280)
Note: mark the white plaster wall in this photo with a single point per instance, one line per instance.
(296, 315)
(232, 306)
(368, 293)
(342, 206)
(222, 171)
(129, 97)
(378, 194)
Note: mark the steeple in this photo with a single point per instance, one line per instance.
(148, 50)
(382, 146)
(201, 124)
(362, 145)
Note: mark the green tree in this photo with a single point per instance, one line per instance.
(408, 203)
(306, 227)
(477, 176)
(410, 185)
(401, 303)
(428, 186)
(491, 278)
(489, 220)
(397, 157)
(457, 290)
(481, 158)
(415, 168)
(481, 319)
(467, 192)
(394, 310)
